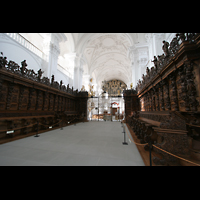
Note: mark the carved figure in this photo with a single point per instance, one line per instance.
(45, 80)
(161, 61)
(147, 71)
(13, 66)
(143, 79)
(165, 48)
(182, 36)
(152, 72)
(61, 84)
(32, 74)
(23, 67)
(40, 72)
(52, 79)
(83, 88)
(155, 61)
(3, 61)
(56, 85)
(174, 45)
(190, 37)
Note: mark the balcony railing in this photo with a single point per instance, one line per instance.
(65, 71)
(23, 41)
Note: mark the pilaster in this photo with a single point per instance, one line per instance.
(51, 49)
(79, 61)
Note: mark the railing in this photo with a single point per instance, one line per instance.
(130, 138)
(161, 61)
(23, 41)
(58, 124)
(65, 71)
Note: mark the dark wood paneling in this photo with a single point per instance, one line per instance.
(26, 100)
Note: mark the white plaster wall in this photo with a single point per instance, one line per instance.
(66, 80)
(17, 53)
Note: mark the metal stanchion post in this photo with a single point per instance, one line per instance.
(61, 125)
(37, 130)
(124, 143)
(123, 128)
(150, 146)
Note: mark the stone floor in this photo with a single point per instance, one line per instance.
(86, 144)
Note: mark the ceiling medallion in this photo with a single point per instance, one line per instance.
(108, 42)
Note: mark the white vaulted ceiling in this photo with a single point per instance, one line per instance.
(106, 56)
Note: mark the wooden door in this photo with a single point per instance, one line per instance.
(114, 110)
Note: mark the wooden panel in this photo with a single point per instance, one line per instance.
(170, 101)
(3, 96)
(27, 99)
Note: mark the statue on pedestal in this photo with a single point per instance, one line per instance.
(165, 48)
(40, 72)
(52, 79)
(155, 61)
(23, 67)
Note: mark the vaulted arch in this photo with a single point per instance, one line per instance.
(106, 55)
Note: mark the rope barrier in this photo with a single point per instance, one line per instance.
(175, 155)
(73, 119)
(49, 124)
(14, 129)
(18, 128)
(70, 120)
(132, 140)
(164, 151)
(193, 125)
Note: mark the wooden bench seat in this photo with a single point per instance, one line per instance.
(25, 117)
(150, 122)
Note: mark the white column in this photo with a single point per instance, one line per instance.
(70, 60)
(143, 59)
(53, 59)
(53, 55)
(76, 76)
(82, 62)
(52, 50)
(157, 43)
(132, 55)
(86, 81)
(149, 40)
(78, 72)
(138, 54)
(46, 50)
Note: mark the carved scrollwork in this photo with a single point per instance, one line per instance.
(13, 67)
(160, 61)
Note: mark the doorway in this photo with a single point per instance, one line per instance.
(105, 108)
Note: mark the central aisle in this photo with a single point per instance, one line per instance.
(86, 144)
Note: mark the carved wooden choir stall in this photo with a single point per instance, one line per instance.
(168, 114)
(32, 104)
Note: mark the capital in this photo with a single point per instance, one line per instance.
(131, 52)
